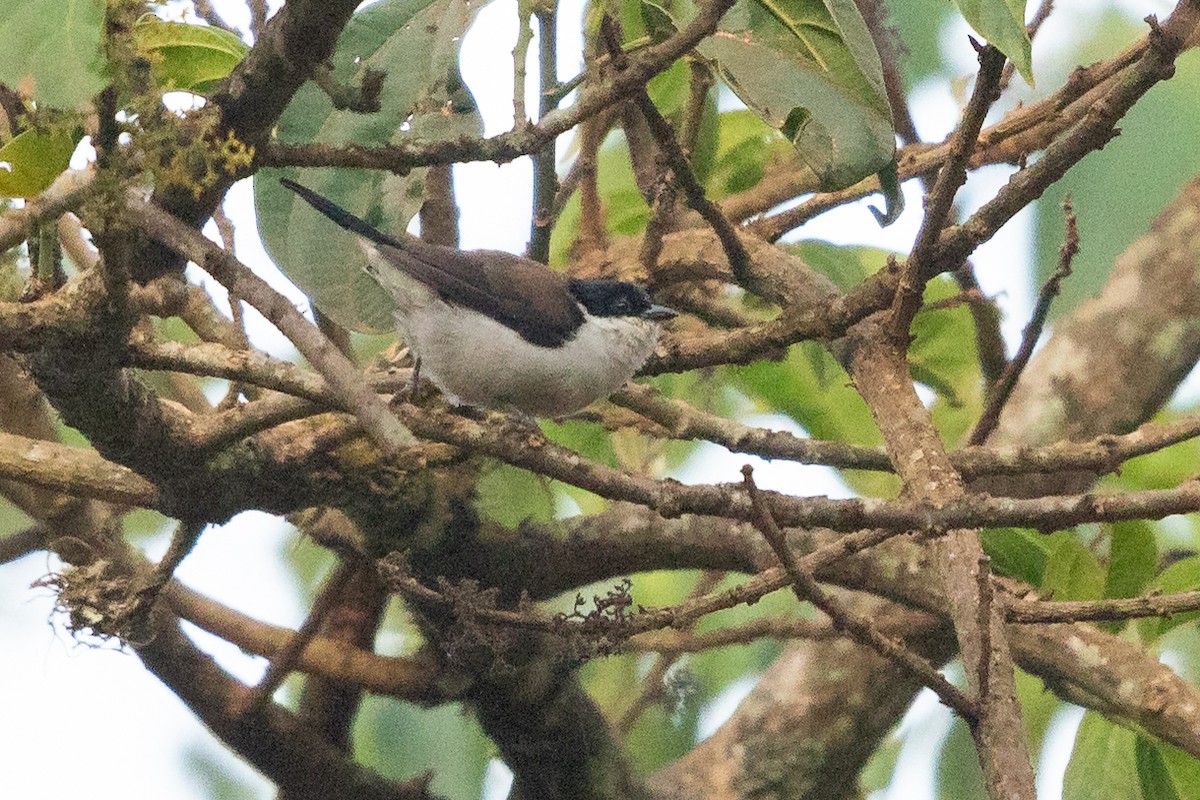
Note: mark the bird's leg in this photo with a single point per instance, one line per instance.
(523, 419)
(408, 392)
(415, 383)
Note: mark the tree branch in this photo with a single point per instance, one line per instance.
(387, 432)
(881, 374)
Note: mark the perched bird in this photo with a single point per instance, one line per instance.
(496, 330)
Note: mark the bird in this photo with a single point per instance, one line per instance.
(499, 331)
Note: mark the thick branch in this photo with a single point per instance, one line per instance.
(881, 374)
(294, 42)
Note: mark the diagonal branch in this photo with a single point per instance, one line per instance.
(386, 431)
(999, 394)
(940, 200)
(1097, 127)
(806, 588)
(401, 158)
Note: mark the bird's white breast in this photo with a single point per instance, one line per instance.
(475, 360)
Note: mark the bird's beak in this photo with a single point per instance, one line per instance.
(659, 313)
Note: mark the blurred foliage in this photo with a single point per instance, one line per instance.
(12, 519)
(207, 771)
(402, 741)
(415, 44)
(919, 25)
(1103, 763)
(958, 773)
(52, 50)
(1119, 190)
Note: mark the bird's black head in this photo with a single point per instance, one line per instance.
(609, 298)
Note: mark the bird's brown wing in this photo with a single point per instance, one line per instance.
(526, 296)
(521, 293)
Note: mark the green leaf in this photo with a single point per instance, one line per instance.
(810, 70)
(1182, 576)
(188, 57)
(812, 388)
(746, 147)
(1103, 764)
(893, 198)
(51, 50)
(1002, 23)
(1018, 553)
(1037, 708)
(1152, 772)
(943, 353)
(1183, 771)
(658, 22)
(1164, 469)
(944, 345)
(1072, 572)
(416, 43)
(512, 496)
(1133, 559)
(845, 265)
(32, 160)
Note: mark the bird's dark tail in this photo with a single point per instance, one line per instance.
(341, 216)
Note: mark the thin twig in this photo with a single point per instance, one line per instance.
(183, 541)
(807, 589)
(699, 83)
(285, 660)
(783, 628)
(386, 431)
(520, 72)
(1002, 391)
(986, 594)
(408, 678)
(989, 342)
(593, 225)
(652, 684)
(891, 51)
(21, 543)
(1046, 612)
(362, 99)
(545, 170)
(662, 218)
(1022, 131)
(940, 199)
(642, 66)
(1095, 129)
(237, 310)
(206, 12)
(685, 178)
(258, 17)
